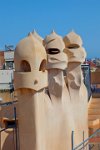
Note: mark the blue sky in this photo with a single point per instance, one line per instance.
(18, 17)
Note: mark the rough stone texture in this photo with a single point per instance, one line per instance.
(78, 93)
(59, 95)
(30, 64)
(49, 108)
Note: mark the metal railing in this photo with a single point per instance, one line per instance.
(84, 143)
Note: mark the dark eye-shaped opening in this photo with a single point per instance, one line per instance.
(10, 123)
(73, 46)
(53, 51)
(25, 66)
(43, 66)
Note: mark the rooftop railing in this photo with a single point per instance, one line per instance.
(85, 143)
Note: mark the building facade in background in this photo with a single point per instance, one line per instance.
(6, 73)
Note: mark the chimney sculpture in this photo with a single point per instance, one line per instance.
(30, 80)
(48, 109)
(77, 90)
(37, 36)
(60, 124)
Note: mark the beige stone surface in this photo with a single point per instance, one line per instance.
(30, 61)
(7, 140)
(48, 109)
(32, 75)
(72, 39)
(37, 36)
(59, 94)
(74, 48)
(54, 41)
(78, 93)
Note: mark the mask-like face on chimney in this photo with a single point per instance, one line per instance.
(74, 49)
(30, 64)
(54, 47)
